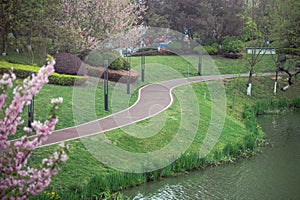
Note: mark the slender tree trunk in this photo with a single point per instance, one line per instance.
(249, 85)
(4, 41)
(276, 84)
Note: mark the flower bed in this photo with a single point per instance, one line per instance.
(115, 76)
(162, 52)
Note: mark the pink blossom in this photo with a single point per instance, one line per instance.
(2, 100)
(18, 181)
(114, 16)
(57, 100)
(27, 129)
(64, 157)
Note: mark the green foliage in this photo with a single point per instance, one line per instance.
(251, 31)
(212, 49)
(23, 71)
(285, 23)
(232, 44)
(291, 51)
(66, 80)
(175, 46)
(116, 62)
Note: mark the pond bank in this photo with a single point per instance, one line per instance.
(228, 151)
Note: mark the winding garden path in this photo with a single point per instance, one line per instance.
(152, 100)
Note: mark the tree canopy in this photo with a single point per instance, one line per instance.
(77, 26)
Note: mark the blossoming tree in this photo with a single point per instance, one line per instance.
(88, 22)
(17, 179)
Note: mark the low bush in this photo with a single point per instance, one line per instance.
(23, 71)
(232, 47)
(119, 64)
(115, 76)
(211, 50)
(67, 80)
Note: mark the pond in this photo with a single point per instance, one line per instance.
(272, 174)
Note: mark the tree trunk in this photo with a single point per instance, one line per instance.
(275, 84)
(289, 84)
(4, 42)
(3, 31)
(249, 85)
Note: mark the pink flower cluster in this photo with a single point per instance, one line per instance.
(17, 180)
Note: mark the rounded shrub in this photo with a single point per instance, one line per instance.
(116, 62)
(232, 47)
(67, 63)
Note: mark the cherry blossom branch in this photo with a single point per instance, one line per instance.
(17, 180)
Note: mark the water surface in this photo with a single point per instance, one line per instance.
(272, 174)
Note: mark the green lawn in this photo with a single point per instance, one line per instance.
(66, 116)
(188, 65)
(82, 166)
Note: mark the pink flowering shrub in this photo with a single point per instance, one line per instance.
(17, 180)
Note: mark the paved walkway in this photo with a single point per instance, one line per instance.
(149, 96)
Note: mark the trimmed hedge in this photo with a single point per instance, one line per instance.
(22, 71)
(115, 76)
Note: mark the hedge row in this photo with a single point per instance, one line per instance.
(23, 71)
(115, 76)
